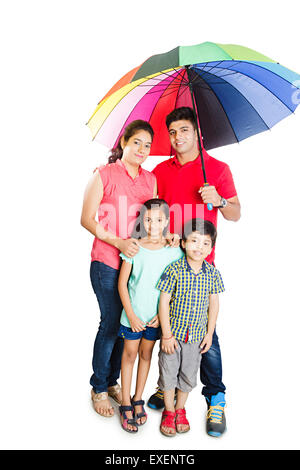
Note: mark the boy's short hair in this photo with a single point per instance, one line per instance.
(204, 227)
(179, 114)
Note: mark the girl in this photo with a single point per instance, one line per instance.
(114, 192)
(139, 320)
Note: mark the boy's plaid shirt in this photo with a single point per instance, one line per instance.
(190, 297)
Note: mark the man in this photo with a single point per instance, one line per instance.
(180, 182)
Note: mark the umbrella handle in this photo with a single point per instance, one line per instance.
(209, 205)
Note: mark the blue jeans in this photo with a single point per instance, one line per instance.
(151, 334)
(211, 370)
(108, 346)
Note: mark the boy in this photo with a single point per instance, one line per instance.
(188, 310)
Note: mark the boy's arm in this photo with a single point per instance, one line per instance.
(135, 323)
(168, 343)
(213, 311)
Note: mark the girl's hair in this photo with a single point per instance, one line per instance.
(139, 230)
(130, 130)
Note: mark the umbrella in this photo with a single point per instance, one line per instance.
(235, 92)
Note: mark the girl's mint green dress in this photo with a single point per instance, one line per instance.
(147, 267)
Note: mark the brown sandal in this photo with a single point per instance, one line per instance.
(98, 397)
(114, 391)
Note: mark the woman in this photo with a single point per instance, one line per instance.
(116, 191)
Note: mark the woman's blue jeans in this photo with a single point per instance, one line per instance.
(108, 346)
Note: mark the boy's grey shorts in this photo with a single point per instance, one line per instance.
(180, 369)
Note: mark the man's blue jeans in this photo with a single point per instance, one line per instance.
(108, 346)
(211, 370)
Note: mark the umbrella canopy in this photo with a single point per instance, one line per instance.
(238, 92)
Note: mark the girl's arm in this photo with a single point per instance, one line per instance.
(213, 311)
(135, 323)
(168, 343)
(92, 198)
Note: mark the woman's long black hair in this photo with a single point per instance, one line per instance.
(130, 130)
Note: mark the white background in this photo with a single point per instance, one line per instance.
(58, 59)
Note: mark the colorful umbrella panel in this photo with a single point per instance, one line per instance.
(238, 93)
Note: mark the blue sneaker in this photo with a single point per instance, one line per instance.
(215, 419)
(156, 401)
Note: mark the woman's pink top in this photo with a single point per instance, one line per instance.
(121, 202)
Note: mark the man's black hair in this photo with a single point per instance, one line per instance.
(179, 114)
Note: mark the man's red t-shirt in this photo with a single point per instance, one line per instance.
(179, 184)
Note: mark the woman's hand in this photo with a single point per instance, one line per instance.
(129, 247)
(169, 345)
(154, 322)
(173, 239)
(206, 343)
(136, 324)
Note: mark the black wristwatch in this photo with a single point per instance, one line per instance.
(223, 203)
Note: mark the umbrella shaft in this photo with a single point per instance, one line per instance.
(197, 127)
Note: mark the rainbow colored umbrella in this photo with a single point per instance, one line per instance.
(237, 92)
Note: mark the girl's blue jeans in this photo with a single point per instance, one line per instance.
(108, 347)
